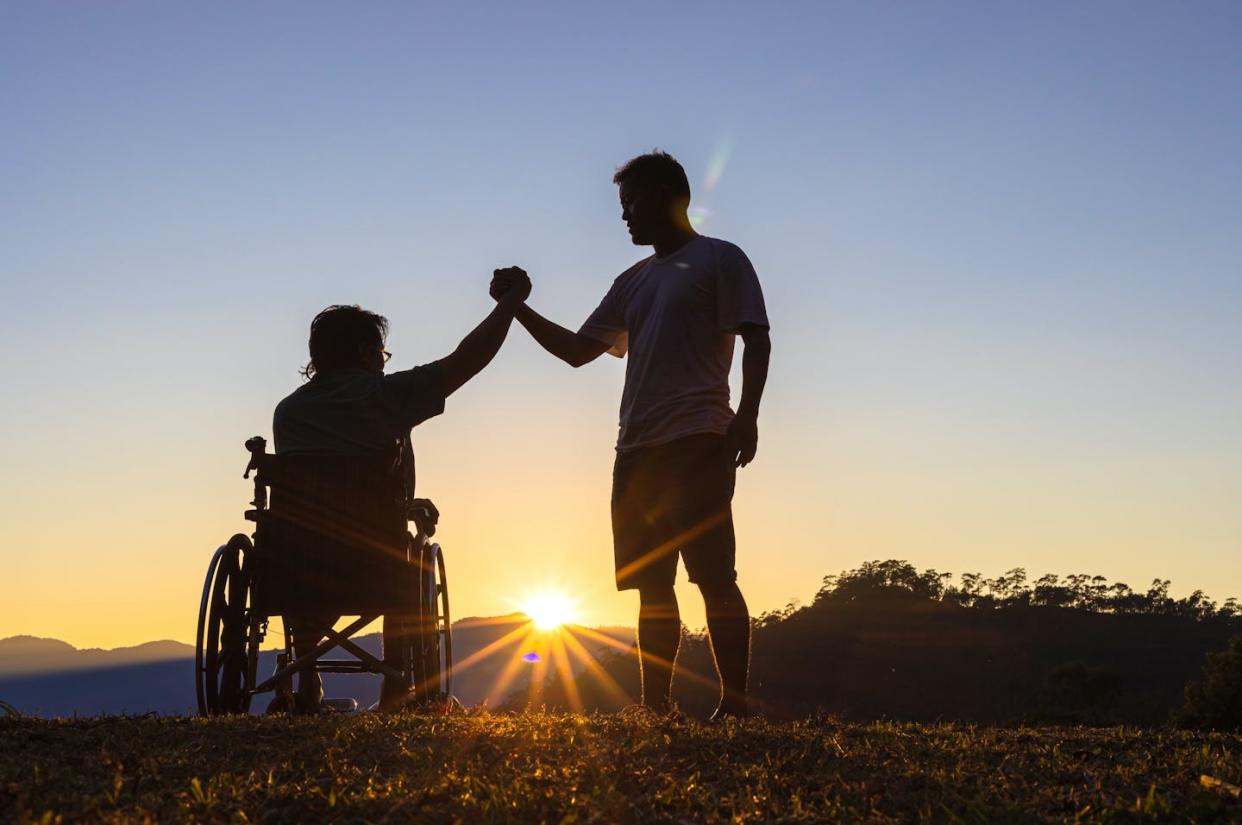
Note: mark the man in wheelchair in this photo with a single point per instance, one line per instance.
(351, 411)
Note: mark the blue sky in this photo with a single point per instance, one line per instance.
(999, 244)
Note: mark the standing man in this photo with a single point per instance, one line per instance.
(677, 314)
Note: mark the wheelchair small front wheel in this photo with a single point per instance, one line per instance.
(220, 655)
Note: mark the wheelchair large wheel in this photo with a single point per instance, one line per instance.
(434, 649)
(222, 663)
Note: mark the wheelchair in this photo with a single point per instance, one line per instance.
(332, 539)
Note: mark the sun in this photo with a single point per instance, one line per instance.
(549, 610)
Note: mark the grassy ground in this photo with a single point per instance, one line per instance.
(564, 768)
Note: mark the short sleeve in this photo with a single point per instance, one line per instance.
(607, 323)
(739, 298)
(413, 396)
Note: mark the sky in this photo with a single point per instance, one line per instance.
(1000, 246)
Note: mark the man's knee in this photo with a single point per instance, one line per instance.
(658, 602)
(723, 591)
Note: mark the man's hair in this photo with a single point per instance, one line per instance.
(338, 333)
(654, 169)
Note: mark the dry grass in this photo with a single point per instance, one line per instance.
(559, 768)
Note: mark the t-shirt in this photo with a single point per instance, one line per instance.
(357, 412)
(677, 317)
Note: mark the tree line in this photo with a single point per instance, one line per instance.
(1012, 589)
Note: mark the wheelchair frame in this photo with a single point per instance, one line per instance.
(230, 631)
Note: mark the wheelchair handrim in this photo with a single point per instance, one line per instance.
(447, 632)
(224, 586)
(200, 667)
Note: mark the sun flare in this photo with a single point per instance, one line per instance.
(549, 610)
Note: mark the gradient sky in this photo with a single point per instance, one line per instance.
(1001, 246)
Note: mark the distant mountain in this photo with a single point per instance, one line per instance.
(48, 677)
(21, 655)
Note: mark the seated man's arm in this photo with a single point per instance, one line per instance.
(478, 348)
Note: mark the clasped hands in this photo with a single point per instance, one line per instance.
(511, 282)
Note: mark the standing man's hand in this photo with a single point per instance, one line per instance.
(743, 434)
(742, 439)
(505, 281)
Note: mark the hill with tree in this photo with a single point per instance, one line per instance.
(888, 641)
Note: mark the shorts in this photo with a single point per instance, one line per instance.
(670, 499)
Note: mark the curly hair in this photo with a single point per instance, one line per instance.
(338, 333)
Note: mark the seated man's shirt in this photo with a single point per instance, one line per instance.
(348, 413)
(356, 412)
(677, 317)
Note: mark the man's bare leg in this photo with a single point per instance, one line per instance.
(397, 629)
(307, 634)
(659, 634)
(728, 627)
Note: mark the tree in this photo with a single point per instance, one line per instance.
(1010, 588)
(968, 593)
(890, 577)
(1158, 600)
(1049, 592)
(1216, 702)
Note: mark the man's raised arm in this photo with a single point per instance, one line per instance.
(478, 348)
(571, 347)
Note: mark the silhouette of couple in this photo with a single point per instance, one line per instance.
(677, 314)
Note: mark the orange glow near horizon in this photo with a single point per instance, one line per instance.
(547, 647)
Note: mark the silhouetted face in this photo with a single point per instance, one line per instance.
(374, 358)
(646, 210)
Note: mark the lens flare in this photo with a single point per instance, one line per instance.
(532, 657)
(716, 167)
(715, 170)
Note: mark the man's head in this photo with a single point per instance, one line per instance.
(343, 337)
(655, 194)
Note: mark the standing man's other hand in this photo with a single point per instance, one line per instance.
(742, 439)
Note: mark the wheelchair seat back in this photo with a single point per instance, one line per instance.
(334, 538)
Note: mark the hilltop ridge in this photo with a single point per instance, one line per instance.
(26, 654)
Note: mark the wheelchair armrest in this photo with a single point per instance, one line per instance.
(424, 514)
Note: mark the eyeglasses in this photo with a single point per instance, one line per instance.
(386, 355)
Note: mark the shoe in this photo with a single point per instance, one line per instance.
(396, 703)
(724, 713)
(636, 711)
(669, 712)
(446, 706)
